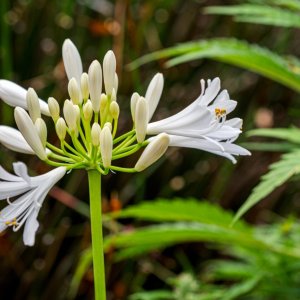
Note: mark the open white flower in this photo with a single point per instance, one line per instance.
(203, 125)
(30, 193)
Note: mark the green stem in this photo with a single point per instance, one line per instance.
(97, 236)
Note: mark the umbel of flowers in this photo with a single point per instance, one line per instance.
(86, 125)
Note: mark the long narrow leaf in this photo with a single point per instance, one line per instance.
(261, 14)
(288, 134)
(235, 52)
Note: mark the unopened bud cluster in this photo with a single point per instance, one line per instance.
(86, 125)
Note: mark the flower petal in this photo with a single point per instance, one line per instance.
(154, 92)
(12, 139)
(30, 228)
(20, 169)
(72, 60)
(14, 95)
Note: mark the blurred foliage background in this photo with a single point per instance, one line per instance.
(190, 253)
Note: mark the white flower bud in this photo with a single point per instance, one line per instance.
(116, 83)
(109, 70)
(154, 92)
(53, 108)
(33, 104)
(74, 91)
(95, 134)
(88, 110)
(154, 151)
(114, 110)
(95, 84)
(41, 127)
(70, 115)
(61, 128)
(103, 102)
(77, 113)
(141, 119)
(134, 98)
(29, 132)
(108, 125)
(113, 95)
(106, 146)
(84, 83)
(72, 60)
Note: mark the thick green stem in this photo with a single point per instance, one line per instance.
(97, 236)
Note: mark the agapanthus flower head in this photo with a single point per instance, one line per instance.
(86, 125)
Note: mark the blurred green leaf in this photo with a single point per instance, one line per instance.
(81, 268)
(279, 173)
(271, 147)
(179, 210)
(261, 14)
(235, 52)
(156, 295)
(289, 134)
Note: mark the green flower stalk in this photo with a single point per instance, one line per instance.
(87, 130)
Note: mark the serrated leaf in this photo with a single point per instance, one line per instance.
(288, 134)
(239, 53)
(179, 210)
(279, 173)
(261, 14)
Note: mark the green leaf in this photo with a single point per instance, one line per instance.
(261, 14)
(155, 295)
(279, 173)
(239, 53)
(179, 210)
(271, 147)
(288, 134)
(160, 236)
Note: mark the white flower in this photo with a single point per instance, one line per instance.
(30, 193)
(203, 125)
(15, 95)
(12, 139)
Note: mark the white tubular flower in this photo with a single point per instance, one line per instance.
(29, 132)
(70, 115)
(53, 108)
(41, 127)
(72, 60)
(109, 70)
(61, 128)
(74, 91)
(84, 83)
(141, 119)
(203, 124)
(95, 84)
(106, 145)
(88, 110)
(114, 110)
(30, 193)
(95, 134)
(134, 98)
(33, 104)
(153, 152)
(154, 92)
(116, 82)
(14, 95)
(12, 139)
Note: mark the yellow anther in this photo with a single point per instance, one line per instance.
(220, 112)
(12, 222)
